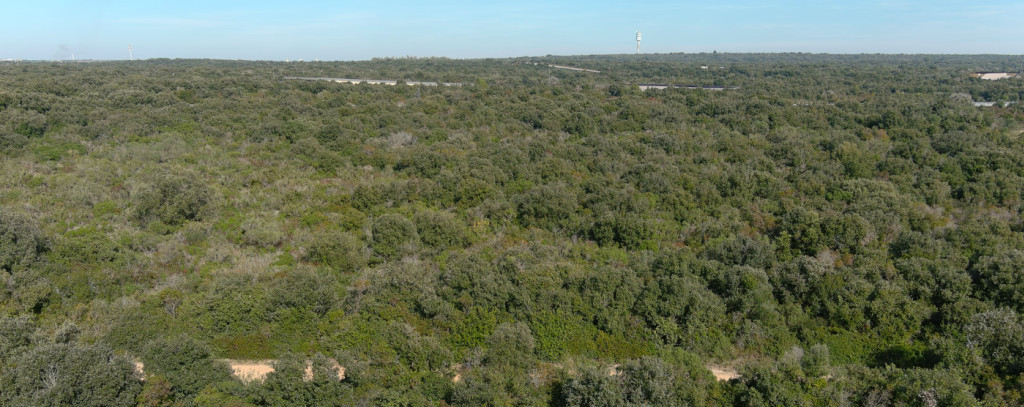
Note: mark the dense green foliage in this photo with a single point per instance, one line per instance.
(842, 230)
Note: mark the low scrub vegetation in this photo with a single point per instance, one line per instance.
(839, 230)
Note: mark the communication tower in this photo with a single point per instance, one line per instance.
(638, 42)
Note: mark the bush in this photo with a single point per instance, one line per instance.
(647, 382)
(440, 230)
(304, 288)
(998, 335)
(171, 199)
(261, 231)
(54, 152)
(70, 375)
(510, 344)
(593, 387)
(337, 250)
(547, 206)
(21, 240)
(817, 361)
(186, 363)
(15, 336)
(1001, 278)
(11, 143)
(394, 235)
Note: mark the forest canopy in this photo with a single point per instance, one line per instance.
(827, 230)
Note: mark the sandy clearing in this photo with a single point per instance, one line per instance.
(138, 368)
(254, 370)
(250, 370)
(723, 373)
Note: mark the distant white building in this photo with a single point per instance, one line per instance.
(994, 76)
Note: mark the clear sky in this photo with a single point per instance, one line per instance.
(345, 30)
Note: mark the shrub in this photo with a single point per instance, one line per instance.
(510, 344)
(261, 231)
(1001, 279)
(15, 336)
(337, 250)
(21, 240)
(186, 363)
(171, 199)
(394, 235)
(817, 361)
(593, 387)
(54, 152)
(89, 245)
(440, 230)
(647, 382)
(304, 288)
(547, 206)
(999, 336)
(11, 143)
(70, 375)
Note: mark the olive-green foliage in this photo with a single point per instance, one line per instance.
(510, 344)
(228, 306)
(15, 336)
(170, 198)
(593, 387)
(440, 230)
(89, 246)
(1001, 279)
(817, 361)
(54, 152)
(186, 363)
(63, 374)
(842, 229)
(338, 250)
(998, 335)
(394, 235)
(289, 384)
(261, 231)
(21, 240)
(547, 206)
(305, 288)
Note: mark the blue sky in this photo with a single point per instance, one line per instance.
(343, 30)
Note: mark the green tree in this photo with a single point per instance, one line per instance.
(394, 235)
(21, 240)
(186, 363)
(69, 374)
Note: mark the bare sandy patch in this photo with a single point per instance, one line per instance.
(723, 373)
(256, 370)
(250, 370)
(139, 368)
(308, 375)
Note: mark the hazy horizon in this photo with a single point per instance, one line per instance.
(233, 30)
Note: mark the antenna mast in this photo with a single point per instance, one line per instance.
(638, 42)
(130, 58)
